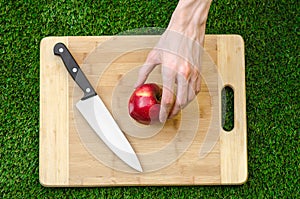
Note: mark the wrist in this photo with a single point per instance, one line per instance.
(189, 18)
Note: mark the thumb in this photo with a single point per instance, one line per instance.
(143, 74)
(150, 63)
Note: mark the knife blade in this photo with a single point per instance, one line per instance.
(96, 114)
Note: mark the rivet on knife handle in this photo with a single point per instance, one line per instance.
(73, 68)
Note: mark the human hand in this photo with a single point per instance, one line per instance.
(179, 54)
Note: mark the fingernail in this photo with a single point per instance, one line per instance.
(163, 115)
(162, 119)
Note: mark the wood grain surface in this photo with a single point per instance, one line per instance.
(190, 149)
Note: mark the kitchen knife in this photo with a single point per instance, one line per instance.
(96, 114)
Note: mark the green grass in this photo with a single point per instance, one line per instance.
(271, 33)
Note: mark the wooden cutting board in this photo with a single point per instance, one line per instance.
(190, 149)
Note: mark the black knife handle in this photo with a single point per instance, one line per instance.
(74, 70)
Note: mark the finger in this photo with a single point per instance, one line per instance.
(194, 86)
(167, 100)
(152, 60)
(191, 92)
(166, 104)
(182, 95)
(175, 111)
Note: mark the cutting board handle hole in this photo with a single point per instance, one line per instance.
(227, 103)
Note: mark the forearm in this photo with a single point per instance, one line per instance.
(190, 17)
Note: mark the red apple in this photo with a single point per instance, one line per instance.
(144, 103)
